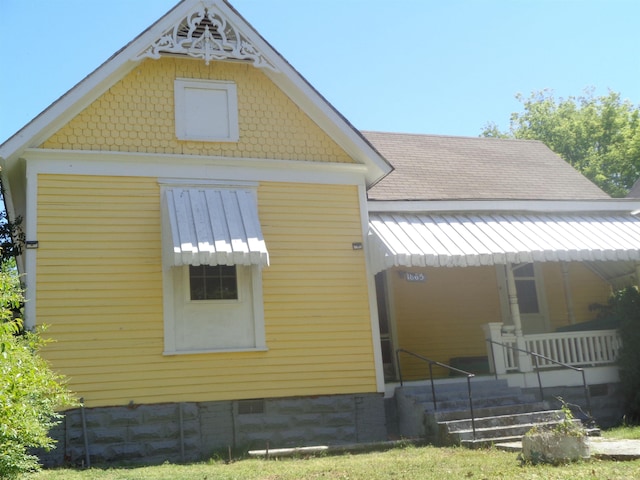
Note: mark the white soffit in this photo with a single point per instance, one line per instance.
(457, 240)
(214, 226)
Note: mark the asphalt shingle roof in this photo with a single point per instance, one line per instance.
(433, 167)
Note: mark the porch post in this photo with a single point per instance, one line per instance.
(524, 361)
(638, 274)
(568, 298)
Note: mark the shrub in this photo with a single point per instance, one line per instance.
(627, 307)
(30, 392)
(624, 306)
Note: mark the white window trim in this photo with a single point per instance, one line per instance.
(168, 279)
(169, 319)
(181, 113)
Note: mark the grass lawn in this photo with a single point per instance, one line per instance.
(425, 463)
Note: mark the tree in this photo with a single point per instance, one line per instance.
(12, 236)
(30, 392)
(599, 136)
(624, 308)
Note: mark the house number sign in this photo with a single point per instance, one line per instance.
(415, 277)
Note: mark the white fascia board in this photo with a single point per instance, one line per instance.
(62, 110)
(192, 166)
(621, 205)
(331, 122)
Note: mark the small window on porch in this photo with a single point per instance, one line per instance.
(527, 292)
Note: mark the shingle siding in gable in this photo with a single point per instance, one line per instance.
(431, 167)
(137, 115)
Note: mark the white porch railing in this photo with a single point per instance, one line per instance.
(581, 348)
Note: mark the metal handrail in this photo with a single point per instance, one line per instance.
(431, 363)
(535, 356)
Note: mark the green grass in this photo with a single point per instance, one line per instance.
(630, 433)
(425, 463)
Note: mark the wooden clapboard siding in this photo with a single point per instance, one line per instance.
(99, 288)
(586, 288)
(442, 317)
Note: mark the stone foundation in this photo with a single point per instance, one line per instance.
(182, 432)
(606, 402)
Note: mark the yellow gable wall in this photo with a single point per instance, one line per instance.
(137, 115)
(99, 288)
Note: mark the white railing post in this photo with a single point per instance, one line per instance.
(493, 332)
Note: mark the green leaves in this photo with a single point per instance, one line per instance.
(30, 392)
(599, 136)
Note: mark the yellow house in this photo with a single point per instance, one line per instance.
(195, 216)
(224, 261)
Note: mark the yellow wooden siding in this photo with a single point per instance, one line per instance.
(137, 115)
(99, 288)
(443, 317)
(586, 288)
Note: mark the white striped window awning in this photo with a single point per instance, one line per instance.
(457, 240)
(214, 226)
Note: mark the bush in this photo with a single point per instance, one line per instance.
(627, 307)
(624, 306)
(30, 392)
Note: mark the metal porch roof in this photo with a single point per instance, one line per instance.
(214, 226)
(460, 240)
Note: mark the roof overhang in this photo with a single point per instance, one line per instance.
(446, 238)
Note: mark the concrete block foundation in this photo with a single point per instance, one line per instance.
(190, 431)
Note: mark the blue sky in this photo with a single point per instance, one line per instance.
(421, 66)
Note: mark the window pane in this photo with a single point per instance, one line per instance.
(524, 270)
(197, 288)
(218, 282)
(228, 288)
(527, 296)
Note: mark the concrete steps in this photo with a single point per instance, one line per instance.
(502, 413)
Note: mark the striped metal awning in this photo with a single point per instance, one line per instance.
(214, 226)
(457, 240)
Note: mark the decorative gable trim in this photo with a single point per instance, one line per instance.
(124, 61)
(205, 33)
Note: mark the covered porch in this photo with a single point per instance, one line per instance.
(486, 289)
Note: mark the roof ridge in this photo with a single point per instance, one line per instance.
(436, 135)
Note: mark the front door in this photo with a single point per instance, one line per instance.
(531, 298)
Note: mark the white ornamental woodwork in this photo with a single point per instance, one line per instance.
(207, 34)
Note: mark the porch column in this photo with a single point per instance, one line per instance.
(638, 274)
(524, 361)
(568, 298)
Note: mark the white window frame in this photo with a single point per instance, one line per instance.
(176, 296)
(226, 113)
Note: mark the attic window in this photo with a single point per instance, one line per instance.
(206, 110)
